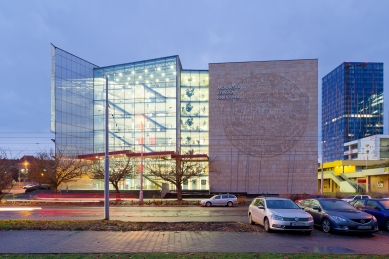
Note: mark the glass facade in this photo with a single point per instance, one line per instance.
(142, 105)
(352, 106)
(194, 111)
(71, 102)
(154, 106)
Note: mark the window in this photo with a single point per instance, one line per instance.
(231, 196)
(372, 205)
(224, 196)
(217, 197)
(359, 204)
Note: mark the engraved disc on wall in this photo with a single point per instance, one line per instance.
(269, 117)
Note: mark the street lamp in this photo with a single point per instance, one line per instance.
(141, 162)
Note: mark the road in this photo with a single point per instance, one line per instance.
(133, 213)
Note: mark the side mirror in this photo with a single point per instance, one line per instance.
(316, 208)
(261, 207)
(377, 208)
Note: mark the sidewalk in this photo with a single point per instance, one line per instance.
(185, 242)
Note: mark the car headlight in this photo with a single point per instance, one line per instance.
(277, 217)
(374, 219)
(310, 218)
(337, 218)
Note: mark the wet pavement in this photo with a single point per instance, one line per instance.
(133, 213)
(146, 241)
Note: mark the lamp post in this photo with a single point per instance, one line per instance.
(141, 163)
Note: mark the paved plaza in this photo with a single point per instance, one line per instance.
(146, 241)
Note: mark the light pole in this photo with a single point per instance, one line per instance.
(141, 163)
(106, 164)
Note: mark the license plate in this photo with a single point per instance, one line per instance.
(294, 224)
(364, 227)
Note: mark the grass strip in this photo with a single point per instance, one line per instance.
(193, 256)
(117, 225)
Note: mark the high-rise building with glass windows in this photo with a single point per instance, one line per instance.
(352, 106)
(255, 121)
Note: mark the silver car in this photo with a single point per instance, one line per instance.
(279, 214)
(220, 200)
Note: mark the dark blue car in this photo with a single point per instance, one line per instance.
(379, 208)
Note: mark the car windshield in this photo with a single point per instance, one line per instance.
(350, 197)
(385, 204)
(336, 205)
(281, 204)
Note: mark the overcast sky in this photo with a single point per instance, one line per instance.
(200, 32)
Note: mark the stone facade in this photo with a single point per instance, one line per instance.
(263, 126)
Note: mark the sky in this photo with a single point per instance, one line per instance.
(200, 32)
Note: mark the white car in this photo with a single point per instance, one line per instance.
(28, 186)
(279, 214)
(356, 197)
(220, 200)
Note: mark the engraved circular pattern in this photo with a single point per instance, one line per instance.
(269, 117)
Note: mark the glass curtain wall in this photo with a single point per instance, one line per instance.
(194, 111)
(142, 105)
(352, 106)
(194, 119)
(71, 103)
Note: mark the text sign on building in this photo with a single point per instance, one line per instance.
(228, 92)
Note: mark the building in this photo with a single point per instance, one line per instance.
(363, 169)
(370, 148)
(352, 106)
(257, 121)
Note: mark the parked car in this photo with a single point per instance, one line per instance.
(356, 197)
(37, 187)
(279, 214)
(309, 196)
(220, 200)
(338, 215)
(379, 208)
(28, 186)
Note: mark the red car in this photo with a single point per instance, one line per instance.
(310, 196)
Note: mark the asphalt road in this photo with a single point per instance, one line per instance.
(133, 213)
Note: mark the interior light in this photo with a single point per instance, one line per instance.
(133, 72)
(147, 81)
(145, 70)
(117, 80)
(129, 78)
(157, 80)
(159, 69)
(163, 74)
(151, 76)
(136, 82)
(171, 67)
(140, 77)
(167, 79)
(175, 72)
(120, 74)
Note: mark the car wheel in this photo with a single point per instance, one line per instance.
(229, 204)
(387, 225)
(266, 225)
(251, 220)
(208, 204)
(326, 225)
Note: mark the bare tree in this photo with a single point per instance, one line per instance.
(57, 169)
(6, 174)
(178, 170)
(119, 169)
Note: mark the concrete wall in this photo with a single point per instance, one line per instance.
(263, 126)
